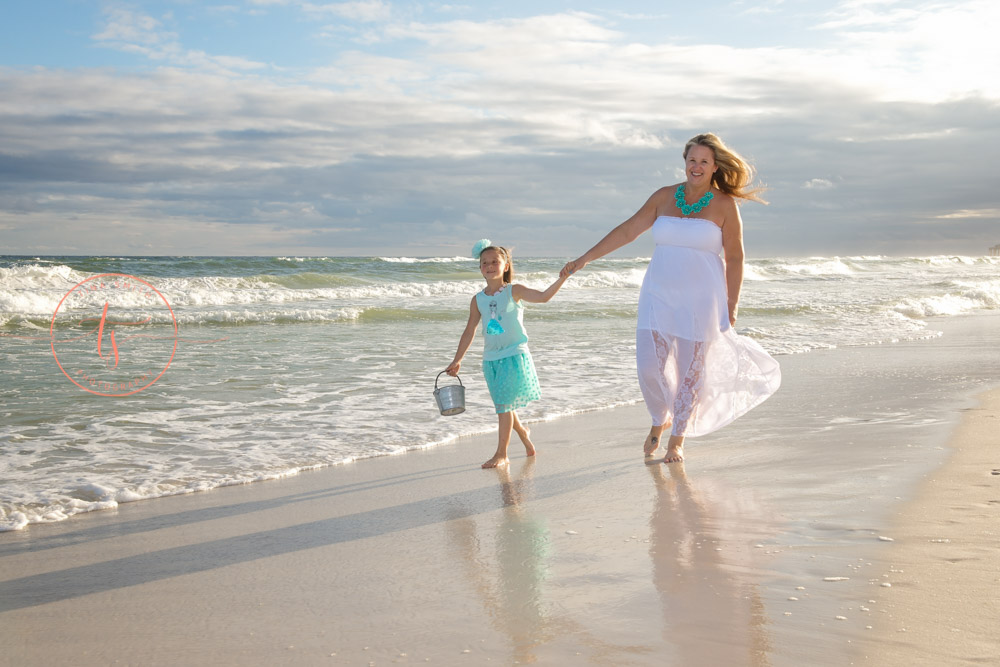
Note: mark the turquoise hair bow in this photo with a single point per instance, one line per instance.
(481, 245)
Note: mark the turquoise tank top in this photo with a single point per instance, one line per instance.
(503, 324)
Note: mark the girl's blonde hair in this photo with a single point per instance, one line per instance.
(505, 255)
(735, 175)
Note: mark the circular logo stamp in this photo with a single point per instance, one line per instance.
(113, 335)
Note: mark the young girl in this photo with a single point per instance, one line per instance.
(510, 373)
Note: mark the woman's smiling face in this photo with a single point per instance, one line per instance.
(699, 164)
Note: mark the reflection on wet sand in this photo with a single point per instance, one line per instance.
(712, 612)
(510, 584)
(700, 551)
(510, 578)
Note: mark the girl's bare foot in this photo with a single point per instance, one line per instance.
(496, 461)
(525, 435)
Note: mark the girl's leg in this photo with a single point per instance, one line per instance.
(524, 434)
(503, 435)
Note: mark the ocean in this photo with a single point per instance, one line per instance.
(126, 378)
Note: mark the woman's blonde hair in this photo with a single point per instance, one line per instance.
(735, 175)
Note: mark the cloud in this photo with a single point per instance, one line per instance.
(437, 131)
(988, 213)
(140, 34)
(929, 51)
(369, 11)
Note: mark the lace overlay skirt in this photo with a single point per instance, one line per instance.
(699, 386)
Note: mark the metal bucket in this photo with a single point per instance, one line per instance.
(450, 399)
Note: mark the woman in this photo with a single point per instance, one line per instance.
(695, 372)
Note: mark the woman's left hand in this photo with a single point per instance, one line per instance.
(571, 268)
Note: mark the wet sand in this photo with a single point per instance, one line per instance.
(763, 549)
(583, 553)
(943, 606)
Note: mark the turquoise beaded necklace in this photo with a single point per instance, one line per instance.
(688, 209)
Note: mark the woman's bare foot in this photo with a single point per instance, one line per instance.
(496, 461)
(652, 440)
(675, 450)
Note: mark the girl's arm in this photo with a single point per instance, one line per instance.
(623, 234)
(466, 340)
(519, 292)
(732, 247)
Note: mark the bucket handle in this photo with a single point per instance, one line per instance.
(439, 377)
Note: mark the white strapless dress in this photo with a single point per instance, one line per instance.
(695, 371)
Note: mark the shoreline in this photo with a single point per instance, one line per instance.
(758, 551)
(943, 607)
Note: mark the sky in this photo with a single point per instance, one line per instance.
(284, 127)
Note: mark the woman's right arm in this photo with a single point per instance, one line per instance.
(466, 340)
(621, 235)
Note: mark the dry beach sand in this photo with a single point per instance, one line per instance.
(764, 549)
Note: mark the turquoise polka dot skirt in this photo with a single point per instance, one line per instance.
(512, 382)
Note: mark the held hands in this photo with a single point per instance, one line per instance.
(571, 268)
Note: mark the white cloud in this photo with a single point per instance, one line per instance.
(534, 121)
(925, 51)
(992, 213)
(760, 7)
(370, 11)
(132, 32)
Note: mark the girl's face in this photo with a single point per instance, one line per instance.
(492, 265)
